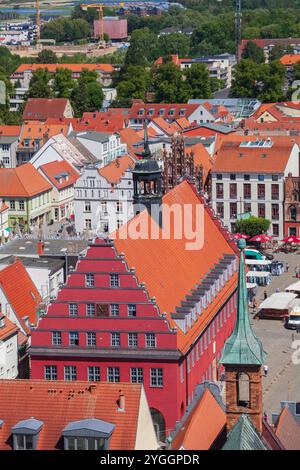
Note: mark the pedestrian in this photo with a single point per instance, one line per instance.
(265, 295)
(277, 290)
(266, 369)
(287, 267)
(254, 303)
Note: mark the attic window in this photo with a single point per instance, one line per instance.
(161, 111)
(87, 434)
(25, 434)
(141, 111)
(182, 112)
(171, 112)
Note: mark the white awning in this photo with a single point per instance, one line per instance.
(258, 274)
(251, 285)
(278, 301)
(258, 262)
(294, 287)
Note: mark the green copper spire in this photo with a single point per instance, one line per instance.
(242, 347)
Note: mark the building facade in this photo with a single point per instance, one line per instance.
(8, 348)
(103, 197)
(249, 178)
(126, 314)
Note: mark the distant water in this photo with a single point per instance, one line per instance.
(56, 11)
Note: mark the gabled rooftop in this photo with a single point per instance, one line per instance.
(243, 436)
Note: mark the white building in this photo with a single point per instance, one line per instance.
(62, 176)
(60, 148)
(46, 273)
(103, 197)
(8, 348)
(4, 210)
(8, 150)
(105, 146)
(249, 177)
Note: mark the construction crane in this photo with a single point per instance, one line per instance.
(238, 28)
(99, 7)
(38, 22)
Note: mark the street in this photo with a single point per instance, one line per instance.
(283, 379)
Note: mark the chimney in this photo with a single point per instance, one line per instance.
(40, 248)
(121, 401)
(92, 389)
(118, 161)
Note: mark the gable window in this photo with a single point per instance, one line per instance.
(114, 310)
(73, 310)
(90, 310)
(115, 340)
(73, 338)
(132, 340)
(23, 442)
(89, 280)
(131, 308)
(150, 340)
(114, 280)
(91, 338)
(56, 338)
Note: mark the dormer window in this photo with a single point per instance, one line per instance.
(88, 434)
(25, 434)
(141, 111)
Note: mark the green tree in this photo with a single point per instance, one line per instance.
(246, 81)
(47, 56)
(169, 85)
(39, 86)
(87, 95)
(134, 82)
(197, 79)
(63, 83)
(273, 82)
(66, 29)
(174, 43)
(253, 226)
(253, 52)
(142, 46)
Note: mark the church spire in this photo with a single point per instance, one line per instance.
(147, 152)
(243, 347)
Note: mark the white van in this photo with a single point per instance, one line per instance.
(293, 319)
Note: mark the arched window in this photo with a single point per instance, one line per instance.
(243, 390)
(159, 424)
(293, 212)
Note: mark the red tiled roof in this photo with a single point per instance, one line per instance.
(290, 59)
(166, 127)
(3, 207)
(203, 425)
(231, 157)
(114, 171)
(20, 292)
(130, 137)
(57, 403)
(56, 168)
(202, 158)
(288, 430)
(42, 108)
(10, 130)
(75, 68)
(270, 42)
(164, 108)
(23, 181)
(41, 131)
(169, 270)
(8, 329)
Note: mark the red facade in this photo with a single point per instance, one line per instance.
(87, 305)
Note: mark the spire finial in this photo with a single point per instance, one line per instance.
(146, 152)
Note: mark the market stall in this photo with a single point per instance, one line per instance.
(261, 278)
